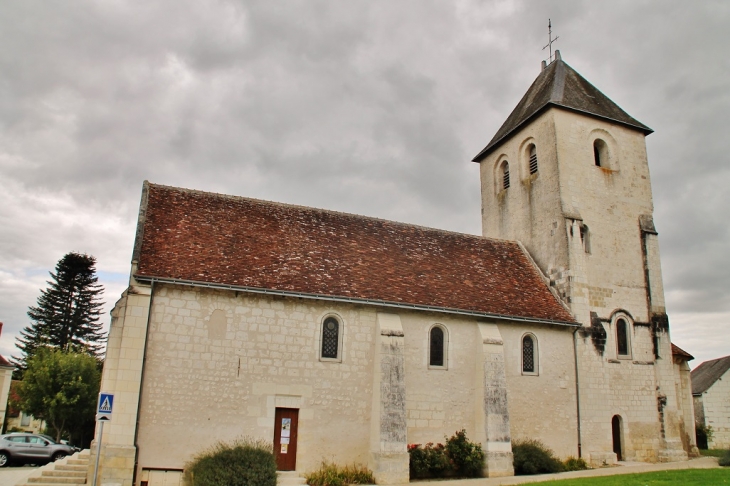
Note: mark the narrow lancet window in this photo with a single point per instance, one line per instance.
(528, 355)
(622, 337)
(436, 355)
(533, 160)
(505, 175)
(600, 153)
(330, 338)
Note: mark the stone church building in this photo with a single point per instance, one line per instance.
(345, 338)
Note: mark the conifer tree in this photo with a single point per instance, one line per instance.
(67, 315)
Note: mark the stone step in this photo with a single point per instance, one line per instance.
(70, 467)
(78, 462)
(56, 480)
(289, 478)
(64, 474)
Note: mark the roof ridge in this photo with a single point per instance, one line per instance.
(330, 211)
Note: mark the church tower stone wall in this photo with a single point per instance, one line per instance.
(567, 175)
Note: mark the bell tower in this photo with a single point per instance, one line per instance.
(567, 175)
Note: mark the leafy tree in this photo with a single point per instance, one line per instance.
(61, 388)
(67, 314)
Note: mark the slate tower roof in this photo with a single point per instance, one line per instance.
(559, 85)
(706, 374)
(207, 239)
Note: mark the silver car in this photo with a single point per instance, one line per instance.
(31, 449)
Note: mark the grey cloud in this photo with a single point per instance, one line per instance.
(369, 107)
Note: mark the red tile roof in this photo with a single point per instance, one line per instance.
(212, 238)
(677, 351)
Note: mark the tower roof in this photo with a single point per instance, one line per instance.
(561, 86)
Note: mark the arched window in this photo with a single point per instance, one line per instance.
(437, 347)
(622, 338)
(330, 338)
(529, 354)
(600, 153)
(533, 159)
(505, 175)
(585, 236)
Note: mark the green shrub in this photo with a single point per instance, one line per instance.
(459, 457)
(243, 462)
(703, 434)
(428, 461)
(332, 475)
(533, 457)
(467, 458)
(574, 464)
(725, 459)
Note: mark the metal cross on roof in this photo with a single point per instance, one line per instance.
(550, 41)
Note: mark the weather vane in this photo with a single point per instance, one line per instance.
(550, 41)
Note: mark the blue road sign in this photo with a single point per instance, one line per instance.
(106, 404)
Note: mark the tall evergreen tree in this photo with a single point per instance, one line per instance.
(67, 315)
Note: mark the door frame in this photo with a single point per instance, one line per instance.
(286, 453)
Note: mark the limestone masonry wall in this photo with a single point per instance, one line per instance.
(589, 229)
(716, 404)
(209, 381)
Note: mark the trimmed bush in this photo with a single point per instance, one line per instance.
(574, 464)
(428, 461)
(459, 457)
(243, 462)
(330, 474)
(467, 458)
(533, 457)
(725, 459)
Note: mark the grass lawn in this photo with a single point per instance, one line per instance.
(684, 477)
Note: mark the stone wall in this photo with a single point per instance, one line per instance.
(204, 383)
(218, 363)
(716, 405)
(542, 405)
(589, 230)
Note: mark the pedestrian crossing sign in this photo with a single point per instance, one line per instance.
(106, 404)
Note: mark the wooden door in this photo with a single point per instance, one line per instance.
(616, 431)
(285, 438)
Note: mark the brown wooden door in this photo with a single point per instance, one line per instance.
(285, 438)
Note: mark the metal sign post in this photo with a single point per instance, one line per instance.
(103, 414)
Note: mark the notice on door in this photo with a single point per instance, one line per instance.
(285, 427)
(284, 448)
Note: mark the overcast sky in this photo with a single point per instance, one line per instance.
(369, 107)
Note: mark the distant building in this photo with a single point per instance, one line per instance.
(346, 338)
(19, 421)
(6, 376)
(711, 393)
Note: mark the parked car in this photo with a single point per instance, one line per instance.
(62, 441)
(31, 449)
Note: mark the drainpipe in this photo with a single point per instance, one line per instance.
(577, 392)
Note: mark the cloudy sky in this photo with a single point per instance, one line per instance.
(370, 107)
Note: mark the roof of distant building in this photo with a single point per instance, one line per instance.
(707, 373)
(204, 238)
(561, 86)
